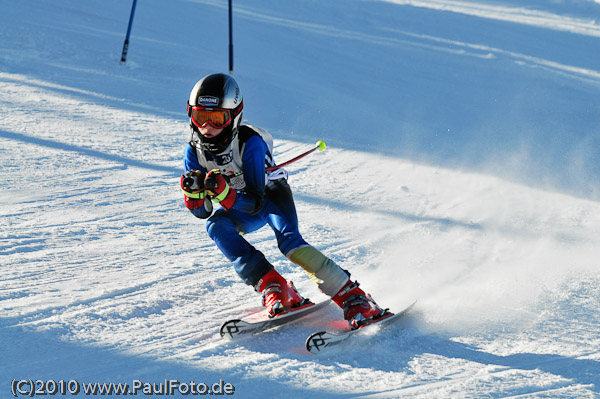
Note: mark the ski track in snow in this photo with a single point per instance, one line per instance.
(519, 15)
(106, 276)
(393, 37)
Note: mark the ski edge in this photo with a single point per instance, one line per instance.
(326, 339)
(237, 328)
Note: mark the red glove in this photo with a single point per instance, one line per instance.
(192, 203)
(217, 187)
(192, 185)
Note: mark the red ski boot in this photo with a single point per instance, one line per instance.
(279, 296)
(359, 308)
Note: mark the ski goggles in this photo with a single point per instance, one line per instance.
(215, 117)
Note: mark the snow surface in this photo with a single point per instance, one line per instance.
(462, 169)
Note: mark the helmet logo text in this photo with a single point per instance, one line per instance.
(206, 101)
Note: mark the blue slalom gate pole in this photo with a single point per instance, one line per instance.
(230, 40)
(126, 43)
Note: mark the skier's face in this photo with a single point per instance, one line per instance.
(208, 131)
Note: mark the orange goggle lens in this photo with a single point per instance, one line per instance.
(217, 118)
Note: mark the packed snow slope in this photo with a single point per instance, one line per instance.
(462, 169)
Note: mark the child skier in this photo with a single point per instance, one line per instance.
(226, 163)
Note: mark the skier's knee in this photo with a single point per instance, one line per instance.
(217, 226)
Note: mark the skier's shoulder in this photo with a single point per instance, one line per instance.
(189, 154)
(251, 134)
(246, 131)
(190, 159)
(190, 150)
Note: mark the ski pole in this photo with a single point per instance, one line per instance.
(320, 145)
(126, 43)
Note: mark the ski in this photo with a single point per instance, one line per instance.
(320, 342)
(237, 328)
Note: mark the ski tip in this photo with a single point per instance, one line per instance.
(314, 342)
(228, 328)
(408, 308)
